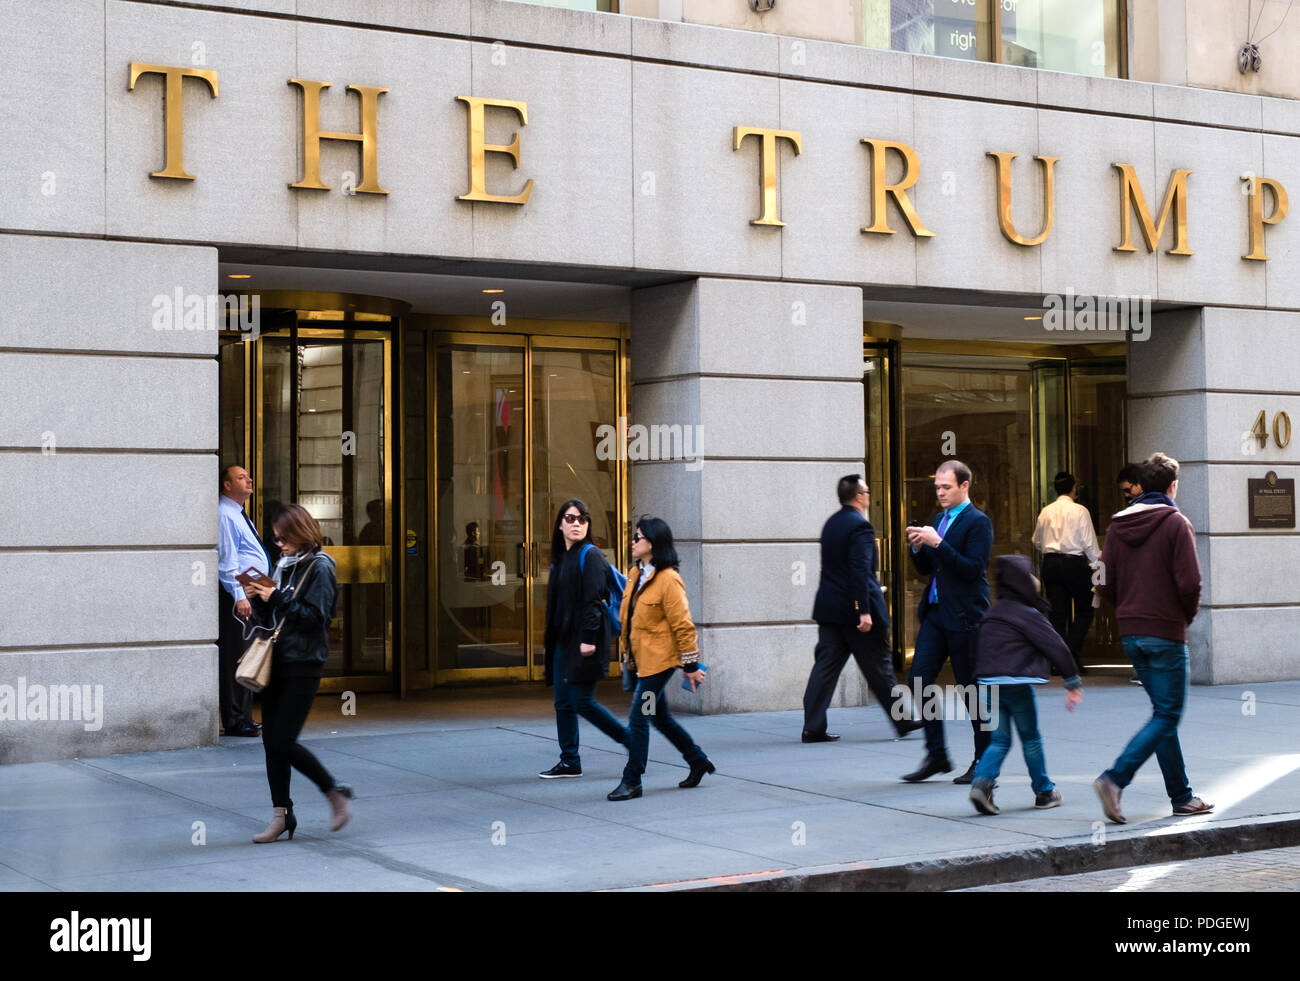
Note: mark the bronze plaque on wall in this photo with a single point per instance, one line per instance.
(1272, 501)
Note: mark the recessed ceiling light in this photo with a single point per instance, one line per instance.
(493, 291)
(239, 276)
(1033, 318)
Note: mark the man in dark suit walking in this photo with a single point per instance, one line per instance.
(953, 551)
(852, 616)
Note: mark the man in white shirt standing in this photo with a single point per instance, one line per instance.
(1069, 545)
(238, 548)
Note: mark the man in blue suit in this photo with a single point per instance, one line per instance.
(852, 616)
(953, 551)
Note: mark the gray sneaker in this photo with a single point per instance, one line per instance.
(1108, 791)
(1048, 798)
(981, 795)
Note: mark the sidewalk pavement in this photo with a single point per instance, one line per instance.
(448, 798)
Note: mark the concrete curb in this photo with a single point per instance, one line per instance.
(1121, 849)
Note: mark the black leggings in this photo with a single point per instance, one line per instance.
(285, 704)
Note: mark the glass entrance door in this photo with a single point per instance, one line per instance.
(517, 420)
(324, 435)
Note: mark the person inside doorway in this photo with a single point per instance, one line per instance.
(1129, 483)
(1065, 536)
(238, 548)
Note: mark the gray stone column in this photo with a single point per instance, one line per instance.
(108, 474)
(1196, 387)
(769, 377)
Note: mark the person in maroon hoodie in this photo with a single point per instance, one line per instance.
(1151, 575)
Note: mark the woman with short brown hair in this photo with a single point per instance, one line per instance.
(301, 604)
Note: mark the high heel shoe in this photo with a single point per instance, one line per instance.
(698, 769)
(340, 809)
(282, 821)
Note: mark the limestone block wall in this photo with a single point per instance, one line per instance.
(108, 474)
(1196, 387)
(772, 375)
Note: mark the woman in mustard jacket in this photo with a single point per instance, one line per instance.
(658, 638)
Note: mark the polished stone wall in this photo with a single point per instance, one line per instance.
(108, 474)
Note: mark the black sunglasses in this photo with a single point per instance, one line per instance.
(576, 519)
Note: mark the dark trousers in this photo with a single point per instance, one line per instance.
(235, 700)
(574, 699)
(1067, 581)
(650, 705)
(835, 642)
(285, 704)
(934, 645)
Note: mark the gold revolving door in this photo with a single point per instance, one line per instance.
(315, 428)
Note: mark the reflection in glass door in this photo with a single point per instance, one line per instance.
(325, 440)
(982, 405)
(517, 422)
(573, 395)
(481, 547)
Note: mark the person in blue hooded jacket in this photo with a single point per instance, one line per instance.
(1014, 644)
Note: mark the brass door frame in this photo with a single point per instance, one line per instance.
(879, 334)
(539, 335)
(384, 681)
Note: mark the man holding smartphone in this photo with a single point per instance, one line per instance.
(238, 549)
(953, 551)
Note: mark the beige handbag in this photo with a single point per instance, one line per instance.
(253, 670)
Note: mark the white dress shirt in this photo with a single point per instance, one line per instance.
(1066, 527)
(238, 547)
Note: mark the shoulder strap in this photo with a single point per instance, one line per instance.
(582, 557)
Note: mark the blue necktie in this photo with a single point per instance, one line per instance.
(934, 583)
(256, 537)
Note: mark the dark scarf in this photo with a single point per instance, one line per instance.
(1155, 497)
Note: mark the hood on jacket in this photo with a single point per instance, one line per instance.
(1138, 522)
(1016, 582)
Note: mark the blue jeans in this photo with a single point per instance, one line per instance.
(1161, 666)
(578, 698)
(1016, 705)
(653, 708)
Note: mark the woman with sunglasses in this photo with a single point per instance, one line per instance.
(301, 604)
(577, 635)
(658, 638)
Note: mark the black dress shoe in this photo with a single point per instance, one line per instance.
(929, 767)
(698, 769)
(624, 791)
(968, 776)
(248, 729)
(819, 737)
(910, 726)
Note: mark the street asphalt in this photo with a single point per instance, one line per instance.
(448, 798)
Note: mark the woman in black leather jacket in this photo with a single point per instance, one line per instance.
(302, 604)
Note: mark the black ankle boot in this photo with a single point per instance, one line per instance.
(698, 769)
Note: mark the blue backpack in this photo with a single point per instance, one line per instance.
(616, 582)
